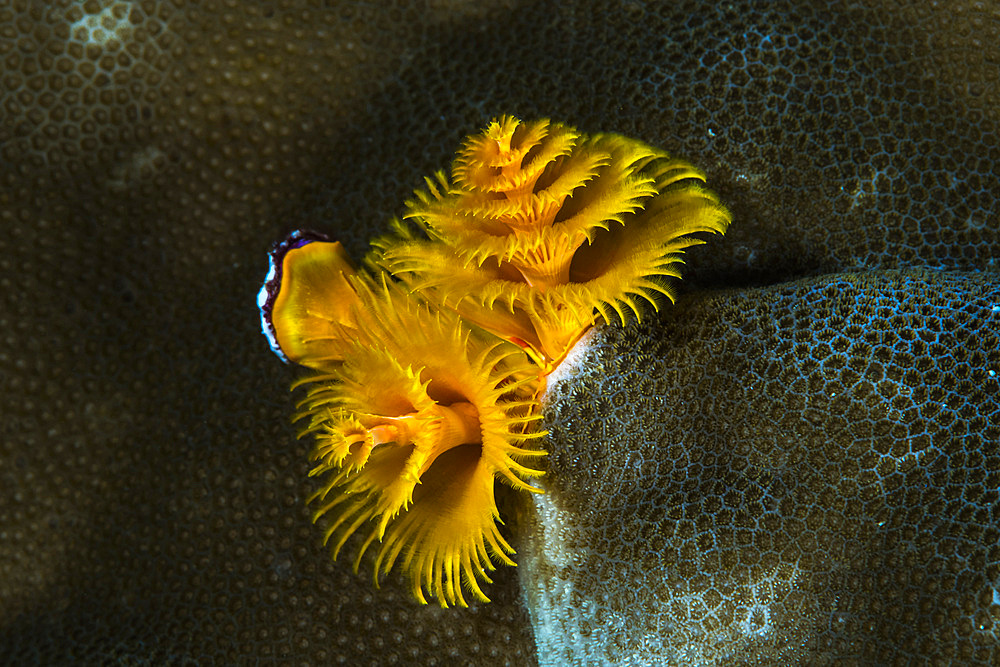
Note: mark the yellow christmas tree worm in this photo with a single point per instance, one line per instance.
(541, 231)
(415, 415)
(420, 401)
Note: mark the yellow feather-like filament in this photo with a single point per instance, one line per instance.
(414, 429)
(605, 221)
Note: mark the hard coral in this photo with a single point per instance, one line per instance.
(768, 509)
(542, 231)
(139, 186)
(415, 415)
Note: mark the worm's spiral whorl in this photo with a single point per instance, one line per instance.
(542, 229)
(412, 432)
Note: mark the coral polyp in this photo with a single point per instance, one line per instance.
(541, 231)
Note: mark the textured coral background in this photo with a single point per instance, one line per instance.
(151, 488)
(823, 485)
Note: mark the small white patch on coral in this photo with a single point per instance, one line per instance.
(139, 165)
(555, 530)
(573, 365)
(757, 622)
(112, 22)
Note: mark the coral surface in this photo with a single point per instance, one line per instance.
(784, 475)
(151, 505)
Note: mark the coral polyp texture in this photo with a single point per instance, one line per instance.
(415, 416)
(541, 231)
(869, 492)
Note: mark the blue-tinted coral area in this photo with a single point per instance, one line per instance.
(151, 488)
(805, 472)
